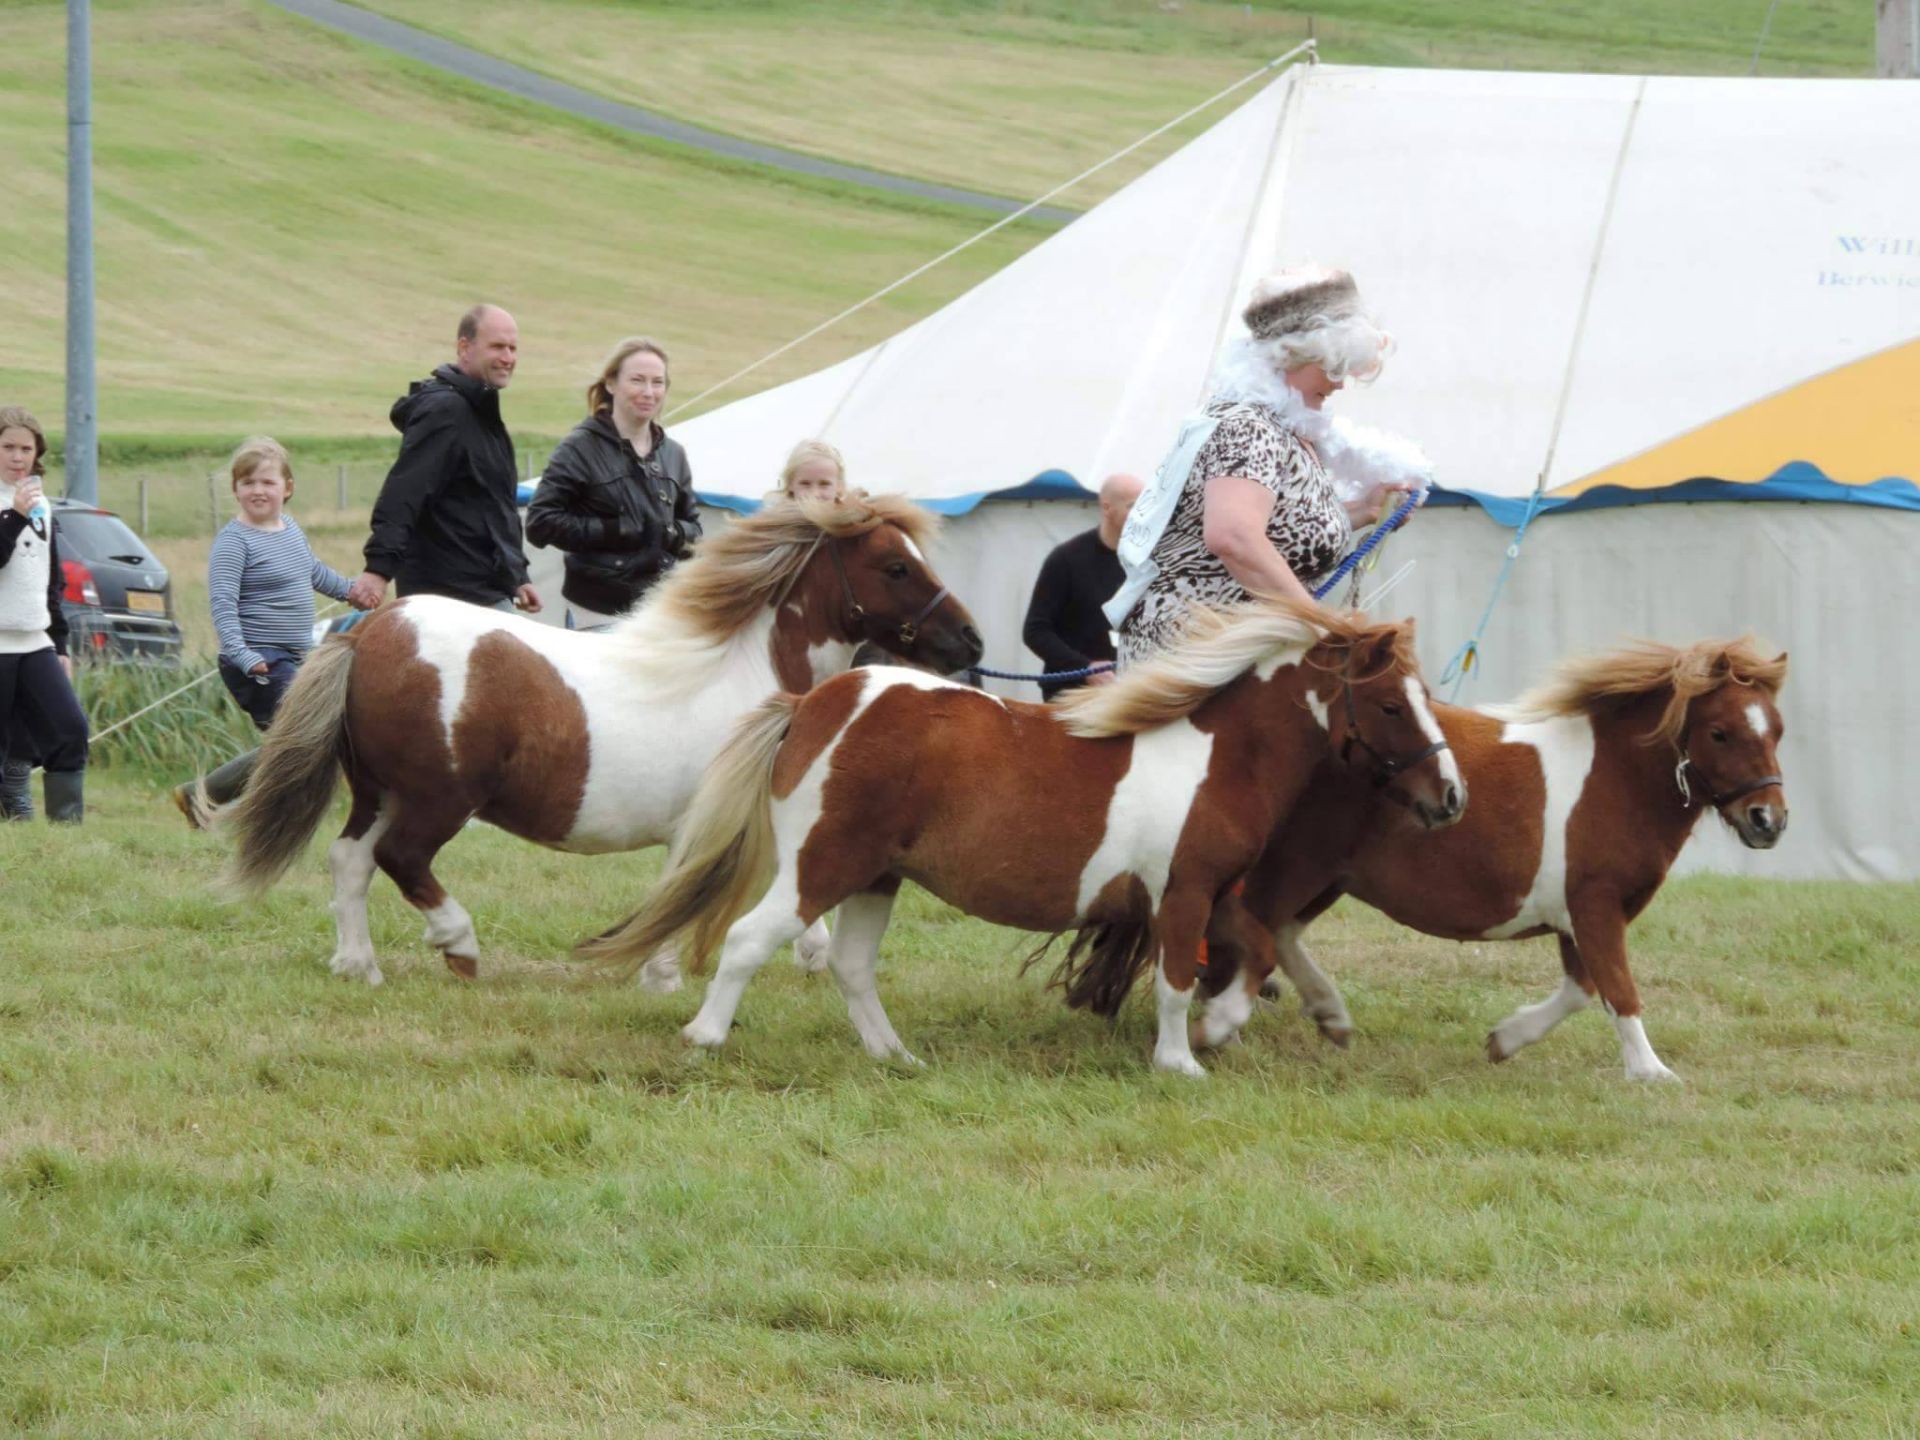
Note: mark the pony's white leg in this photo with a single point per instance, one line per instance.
(750, 942)
(450, 930)
(1642, 1063)
(1173, 1050)
(810, 950)
(352, 863)
(1532, 1022)
(854, 954)
(661, 973)
(1320, 999)
(1222, 1017)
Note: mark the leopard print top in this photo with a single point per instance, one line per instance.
(1309, 525)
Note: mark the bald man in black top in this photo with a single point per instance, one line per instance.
(1065, 626)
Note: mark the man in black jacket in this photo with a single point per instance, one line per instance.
(1065, 626)
(448, 519)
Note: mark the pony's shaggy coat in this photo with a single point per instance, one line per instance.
(440, 712)
(1580, 808)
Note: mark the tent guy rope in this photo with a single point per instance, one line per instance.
(1306, 48)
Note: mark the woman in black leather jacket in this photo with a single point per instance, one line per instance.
(617, 495)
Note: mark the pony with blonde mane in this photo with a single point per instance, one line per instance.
(439, 712)
(1124, 812)
(1584, 790)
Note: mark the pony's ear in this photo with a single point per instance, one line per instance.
(1375, 652)
(1781, 661)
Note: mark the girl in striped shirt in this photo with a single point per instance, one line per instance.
(261, 580)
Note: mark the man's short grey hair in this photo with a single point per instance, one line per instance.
(470, 322)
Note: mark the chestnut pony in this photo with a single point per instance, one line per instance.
(440, 711)
(1583, 793)
(1126, 808)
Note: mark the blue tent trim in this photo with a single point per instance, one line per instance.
(1796, 481)
(1047, 485)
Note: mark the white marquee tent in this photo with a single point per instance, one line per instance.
(1686, 312)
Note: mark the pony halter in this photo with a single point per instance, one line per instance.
(856, 613)
(1385, 767)
(1718, 800)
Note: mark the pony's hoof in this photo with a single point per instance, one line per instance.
(702, 1037)
(1655, 1074)
(1338, 1033)
(811, 958)
(465, 966)
(1203, 1036)
(356, 967)
(661, 976)
(1270, 988)
(1180, 1065)
(1497, 1052)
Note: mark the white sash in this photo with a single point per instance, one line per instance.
(1147, 521)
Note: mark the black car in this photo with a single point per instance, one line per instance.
(117, 597)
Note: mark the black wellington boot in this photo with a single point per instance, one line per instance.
(220, 787)
(66, 796)
(16, 790)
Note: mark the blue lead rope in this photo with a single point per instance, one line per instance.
(1050, 677)
(1325, 588)
(1366, 546)
(1455, 675)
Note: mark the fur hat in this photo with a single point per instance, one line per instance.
(1298, 299)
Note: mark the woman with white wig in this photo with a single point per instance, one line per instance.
(1262, 492)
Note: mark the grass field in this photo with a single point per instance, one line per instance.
(241, 1198)
(238, 1197)
(1018, 95)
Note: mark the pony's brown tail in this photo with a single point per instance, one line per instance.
(722, 851)
(293, 781)
(1101, 964)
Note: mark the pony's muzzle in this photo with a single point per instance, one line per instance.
(1451, 805)
(950, 650)
(1760, 825)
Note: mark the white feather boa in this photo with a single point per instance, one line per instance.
(1356, 456)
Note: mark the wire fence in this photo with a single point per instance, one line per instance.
(185, 499)
(192, 499)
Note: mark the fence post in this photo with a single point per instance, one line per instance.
(144, 522)
(213, 502)
(341, 490)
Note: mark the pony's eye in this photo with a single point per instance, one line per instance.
(1388, 708)
(1718, 735)
(897, 570)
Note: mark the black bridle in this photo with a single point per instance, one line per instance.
(1718, 800)
(1385, 767)
(857, 617)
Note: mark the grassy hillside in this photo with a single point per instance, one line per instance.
(241, 1198)
(1015, 96)
(288, 221)
(289, 224)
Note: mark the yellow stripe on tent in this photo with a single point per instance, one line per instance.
(1858, 424)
